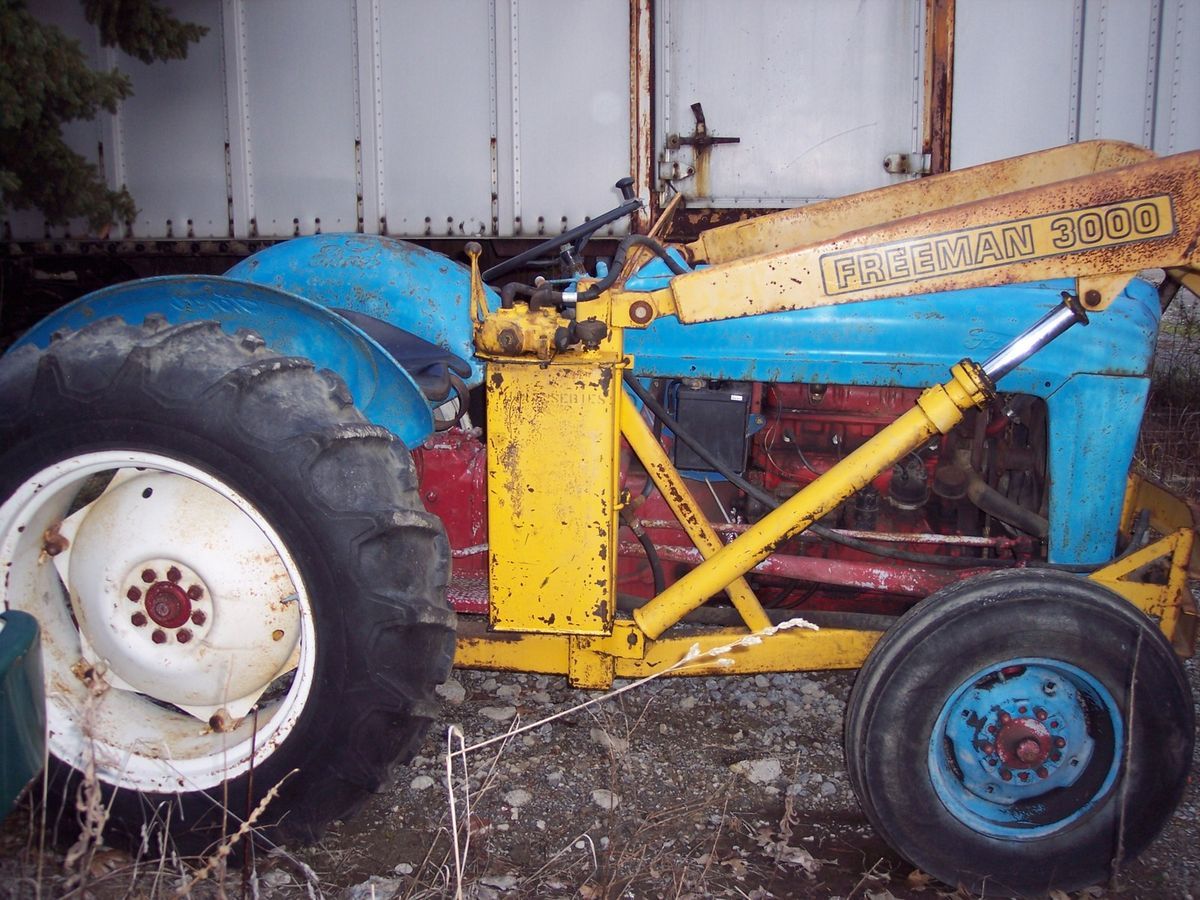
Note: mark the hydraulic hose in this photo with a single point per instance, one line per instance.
(994, 503)
(656, 569)
(546, 296)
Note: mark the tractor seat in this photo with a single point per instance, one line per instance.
(429, 365)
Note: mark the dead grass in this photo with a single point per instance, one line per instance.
(1169, 444)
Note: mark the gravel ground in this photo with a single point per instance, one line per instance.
(680, 788)
(730, 787)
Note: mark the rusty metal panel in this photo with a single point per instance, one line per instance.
(552, 521)
(818, 92)
(939, 83)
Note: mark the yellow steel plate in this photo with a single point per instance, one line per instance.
(552, 495)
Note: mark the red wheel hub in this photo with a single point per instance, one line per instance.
(1023, 743)
(167, 604)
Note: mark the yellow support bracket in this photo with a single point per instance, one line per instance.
(593, 663)
(1170, 602)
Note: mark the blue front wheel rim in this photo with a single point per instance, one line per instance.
(1025, 748)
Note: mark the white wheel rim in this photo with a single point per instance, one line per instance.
(109, 680)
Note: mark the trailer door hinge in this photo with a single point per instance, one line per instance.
(907, 163)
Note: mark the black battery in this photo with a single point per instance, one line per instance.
(717, 415)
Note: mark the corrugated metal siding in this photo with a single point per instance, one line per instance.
(1030, 74)
(513, 117)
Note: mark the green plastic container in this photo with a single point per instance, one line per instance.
(22, 706)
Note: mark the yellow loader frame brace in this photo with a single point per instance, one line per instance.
(1098, 212)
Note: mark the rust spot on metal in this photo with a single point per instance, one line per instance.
(219, 721)
(939, 83)
(641, 312)
(167, 604)
(54, 543)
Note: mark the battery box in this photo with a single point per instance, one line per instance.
(717, 415)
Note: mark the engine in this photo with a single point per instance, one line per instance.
(972, 499)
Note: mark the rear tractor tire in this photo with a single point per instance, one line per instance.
(238, 587)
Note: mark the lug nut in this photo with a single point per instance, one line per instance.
(1040, 714)
(149, 576)
(1024, 776)
(1006, 774)
(173, 574)
(195, 592)
(183, 635)
(1060, 742)
(138, 619)
(159, 637)
(1042, 773)
(134, 594)
(198, 617)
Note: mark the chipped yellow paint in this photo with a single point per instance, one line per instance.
(1169, 601)
(988, 246)
(1142, 215)
(552, 523)
(587, 665)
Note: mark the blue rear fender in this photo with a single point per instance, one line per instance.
(290, 324)
(411, 288)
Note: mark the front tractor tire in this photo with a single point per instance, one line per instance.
(237, 584)
(1020, 732)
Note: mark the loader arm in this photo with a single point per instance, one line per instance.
(1097, 212)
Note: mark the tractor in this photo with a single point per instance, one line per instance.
(260, 516)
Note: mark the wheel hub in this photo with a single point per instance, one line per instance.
(1020, 732)
(1024, 744)
(1011, 739)
(167, 604)
(1021, 747)
(151, 621)
(172, 604)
